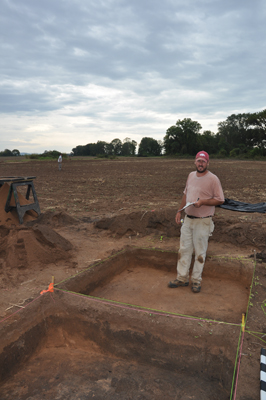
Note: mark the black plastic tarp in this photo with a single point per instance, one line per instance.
(235, 205)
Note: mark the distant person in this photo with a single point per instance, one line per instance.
(204, 190)
(60, 159)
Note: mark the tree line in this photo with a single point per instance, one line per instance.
(9, 153)
(240, 135)
(47, 154)
(147, 147)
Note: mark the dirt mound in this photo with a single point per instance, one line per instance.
(163, 223)
(30, 246)
(240, 233)
(142, 223)
(54, 219)
(34, 244)
(29, 249)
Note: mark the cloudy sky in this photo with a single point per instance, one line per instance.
(74, 72)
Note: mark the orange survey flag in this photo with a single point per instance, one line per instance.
(50, 289)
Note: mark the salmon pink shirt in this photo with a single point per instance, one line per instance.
(207, 186)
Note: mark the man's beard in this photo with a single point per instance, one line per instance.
(202, 170)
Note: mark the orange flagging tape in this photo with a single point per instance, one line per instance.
(50, 288)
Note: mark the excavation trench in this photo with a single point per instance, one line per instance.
(116, 331)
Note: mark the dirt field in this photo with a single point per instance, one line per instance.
(94, 209)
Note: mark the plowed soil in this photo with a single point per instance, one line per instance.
(92, 209)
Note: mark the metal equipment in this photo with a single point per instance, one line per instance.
(15, 182)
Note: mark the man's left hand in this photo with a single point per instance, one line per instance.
(198, 203)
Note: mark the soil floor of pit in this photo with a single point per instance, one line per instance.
(220, 299)
(93, 209)
(81, 374)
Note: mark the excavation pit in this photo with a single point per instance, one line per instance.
(116, 331)
(140, 277)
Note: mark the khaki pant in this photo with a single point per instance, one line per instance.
(194, 236)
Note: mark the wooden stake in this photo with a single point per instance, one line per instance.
(243, 322)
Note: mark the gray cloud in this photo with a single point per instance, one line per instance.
(123, 66)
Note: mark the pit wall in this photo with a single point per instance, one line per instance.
(101, 273)
(160, 341)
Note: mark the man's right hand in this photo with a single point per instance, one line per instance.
(182, 204)
(178, 218)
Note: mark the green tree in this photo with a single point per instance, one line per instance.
(128, 147)
(208, 141)
(115, 147)
(78, 150)
(257, 135)
(234, 131)
(149, 147)
(182, 138)
(91, 149)
(16, 152)
(101, 147)
(51, 154)
(87, 149)
(6, 153)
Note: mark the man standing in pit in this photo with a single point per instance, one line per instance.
(60, 162)
(203, 189)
